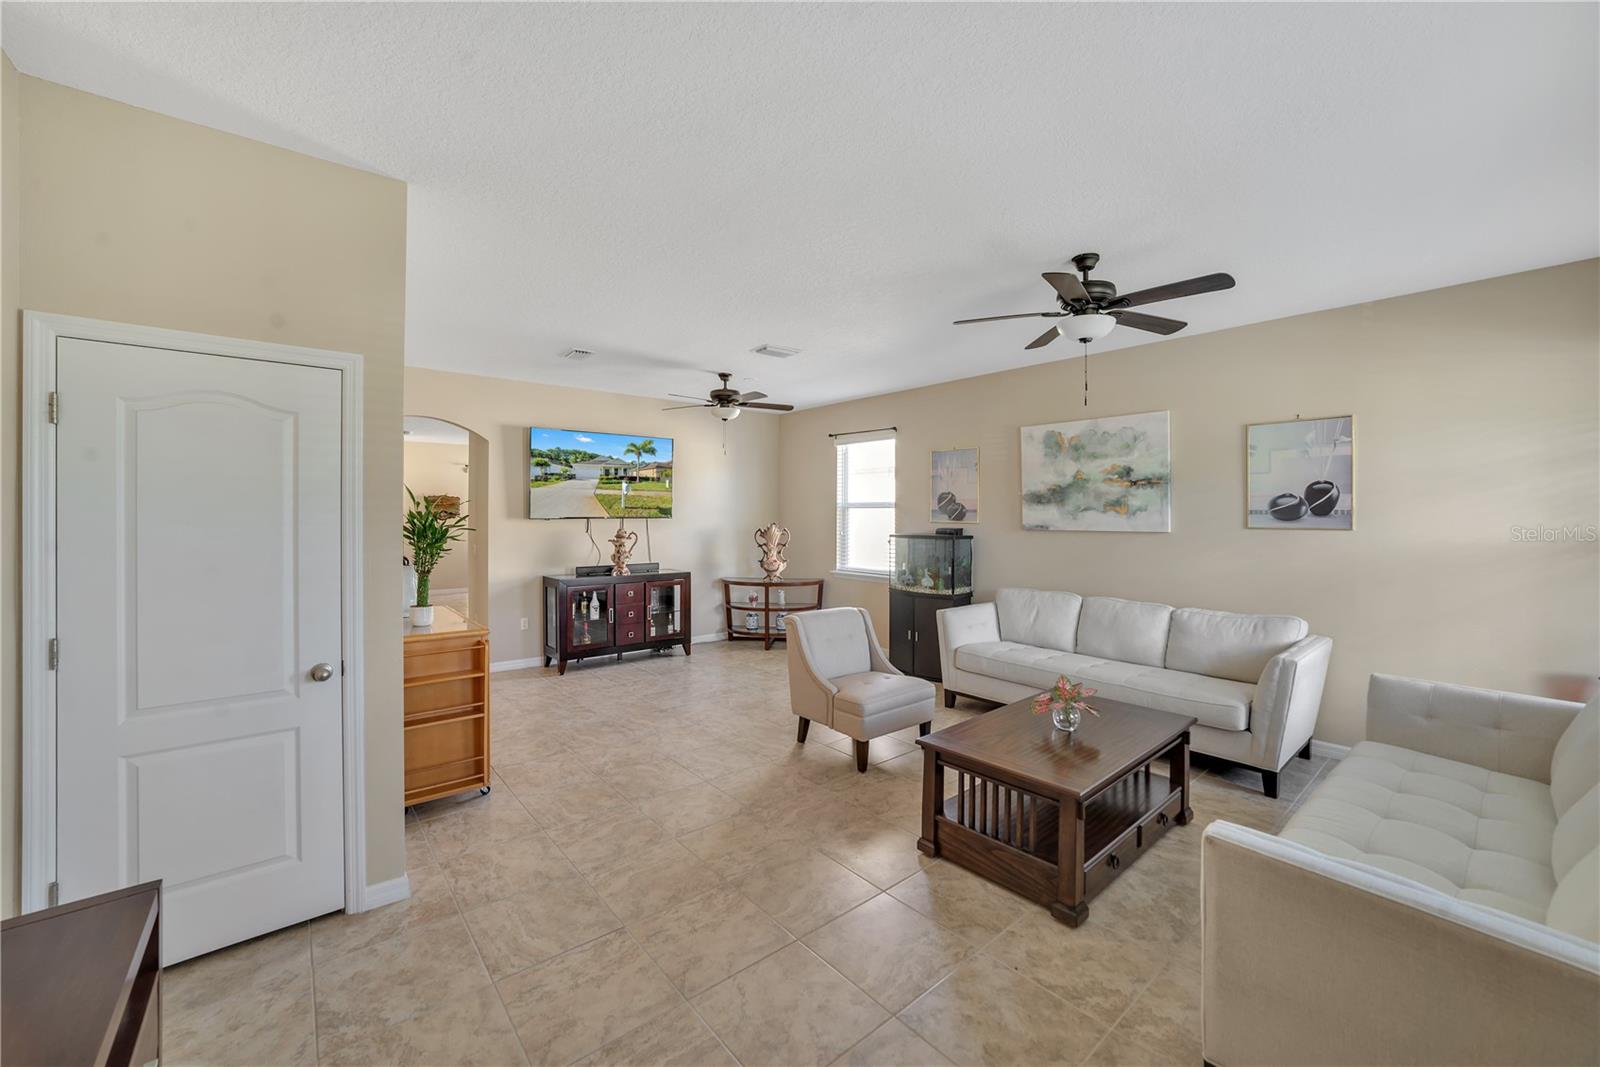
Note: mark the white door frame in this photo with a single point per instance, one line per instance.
(41, 331)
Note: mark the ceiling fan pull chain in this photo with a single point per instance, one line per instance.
(1085, 375)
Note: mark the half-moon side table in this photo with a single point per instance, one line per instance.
(766, 603)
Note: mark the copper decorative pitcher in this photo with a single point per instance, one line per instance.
(622, 543)
(772, 540)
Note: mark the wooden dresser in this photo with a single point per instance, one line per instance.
(82, 982)
(612, 614)
(446, 707)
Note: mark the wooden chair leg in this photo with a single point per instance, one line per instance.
(924, 729)
(861, 756)
(801, 730)
(949, 698)
(1269, 784)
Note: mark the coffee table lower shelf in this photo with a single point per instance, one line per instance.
(1013, 836)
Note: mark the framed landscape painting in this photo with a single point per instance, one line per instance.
(955, 485)
(1110, 474)
(1301, 474)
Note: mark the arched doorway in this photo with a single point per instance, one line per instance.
(443, 458)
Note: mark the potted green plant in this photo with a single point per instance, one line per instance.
(429, 533)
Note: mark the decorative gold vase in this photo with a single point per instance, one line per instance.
(772, 540)
(622, 543)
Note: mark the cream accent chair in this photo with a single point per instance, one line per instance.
(1435, 900)
(839, 676)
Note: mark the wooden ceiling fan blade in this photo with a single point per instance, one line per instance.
(769, 407)
(1026, 315)
(685, 407)
(1068, 285)
(1206, 283)
(745, 398)
(1151, 323)
(681, 396)
(1044, 338)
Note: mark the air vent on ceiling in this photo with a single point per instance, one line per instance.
(576, 354)
(775, 351)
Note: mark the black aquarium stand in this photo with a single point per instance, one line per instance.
(931, 572)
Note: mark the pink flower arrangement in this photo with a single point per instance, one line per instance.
(1064, 694)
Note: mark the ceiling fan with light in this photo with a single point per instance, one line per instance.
(727, 401)
(1089, 308)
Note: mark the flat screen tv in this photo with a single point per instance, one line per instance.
(580, 474)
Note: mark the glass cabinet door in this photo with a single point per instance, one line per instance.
(588, 617)
(665, 614)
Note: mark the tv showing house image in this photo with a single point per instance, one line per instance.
(580, 474)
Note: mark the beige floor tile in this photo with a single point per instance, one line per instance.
(430, 899)
(496, 870)
(573, 1005)
(804, 892)
(789, 1009)
(892, 952)
(702, 941)
(418, 852)
(683, 811)
(1120, 1050)
(247, 1004)
(599, 846)
(736, 844)
(421, 996)
(466, 1026)
(973, 907)
(520, 931)
(882, 854)
(477, 822)
(662, 877)
(1089, 967)
(650, 777)
(987, 1013)
(1166, 1018)
(879, 749)
(677, 1039)
(893, 1044)
(561, 805)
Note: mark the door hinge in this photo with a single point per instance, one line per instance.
(53, 407)
(54, 655)
(341, 668)
(53, 895)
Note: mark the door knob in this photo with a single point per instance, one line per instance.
(321, 672)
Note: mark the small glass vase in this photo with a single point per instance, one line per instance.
(1065, 718)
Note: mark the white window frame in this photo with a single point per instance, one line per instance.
(843, 509)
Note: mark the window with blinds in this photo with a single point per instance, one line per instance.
(865, 498)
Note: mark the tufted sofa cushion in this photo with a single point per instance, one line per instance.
(1463, 830)
(1575, 762)
(1225, 644)
(1128, 631)
(1039, 617)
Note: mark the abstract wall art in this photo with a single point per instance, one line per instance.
(1111, 474)
(1301, 474)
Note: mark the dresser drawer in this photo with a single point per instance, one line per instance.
(630, 595)
(630, 633)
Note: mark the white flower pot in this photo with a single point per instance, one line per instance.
(422, 615)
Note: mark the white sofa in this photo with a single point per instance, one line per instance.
(1434, 900)
(1252, 682)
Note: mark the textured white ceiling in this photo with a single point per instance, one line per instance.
(670, 185)
(422, 430)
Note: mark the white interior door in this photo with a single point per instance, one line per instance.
(198, 590)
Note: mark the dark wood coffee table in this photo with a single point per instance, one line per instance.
(1051, 816)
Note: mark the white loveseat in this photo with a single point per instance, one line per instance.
(1434, 900)
(1252, 682)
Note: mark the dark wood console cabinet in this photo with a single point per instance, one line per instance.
(914, 630)
(613, 614)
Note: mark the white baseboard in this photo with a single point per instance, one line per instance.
(1329, 750)
(705, 639)
(515, 664)
(391, 892)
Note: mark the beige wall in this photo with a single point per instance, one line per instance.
(1468, 423)
(437, 469)
(718, 500)
(10, 492)
(132, 216)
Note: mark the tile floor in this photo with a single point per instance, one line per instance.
(661, 875)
